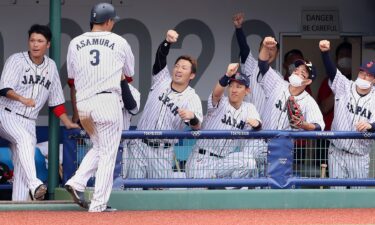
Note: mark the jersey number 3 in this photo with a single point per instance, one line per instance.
(95, 54)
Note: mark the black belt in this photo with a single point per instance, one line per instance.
(156, 144)
(104, 92)
(204, 152)
(9, 110)
(342, 149)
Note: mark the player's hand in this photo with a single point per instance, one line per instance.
(232, 69)
(29, 102)
(185, 114)
(72, 125)
(269, 42)
(238, 19)
(363, 126)
(296, 122)
(171, 36)
(324, 45)
(252, 122)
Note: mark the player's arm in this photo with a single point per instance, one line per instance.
(264, 54)
(241, 38)
(190, 118)
(219, 88)
(11, 94)
(129, 102)
(163, 50)
(60, 112)
(330, 67)
(73, 100)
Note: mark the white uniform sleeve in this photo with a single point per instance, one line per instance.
(195, 105)
(11, 73)
(56, 94)
(137, 98)
(128, 68)
(162, 76)
(250, 65)
(254, 113)
(313, 113)
(340, 84)
(270, 81)
(70, 59)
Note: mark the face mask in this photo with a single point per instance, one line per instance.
(345, 63)
(295, 80)
(362, 84)
(291, 68)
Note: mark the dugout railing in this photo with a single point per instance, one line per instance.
(287, 159)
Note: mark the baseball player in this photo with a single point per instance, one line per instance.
(28, 80)
(96, 61)
(354, 111)
(171, 105)
(249, 65)
(278, 90)
(213, 158)
(128, 111)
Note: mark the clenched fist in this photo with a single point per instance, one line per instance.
(232, 69)
(324, 45)
(269, 42)
(238, 19)
(171, 36)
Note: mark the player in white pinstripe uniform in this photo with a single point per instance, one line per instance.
(129, 111)
(28, 80)
(96, 61)
(354, 111)
(213, 158)
(278, 91)
(171, 105)
(249, 65)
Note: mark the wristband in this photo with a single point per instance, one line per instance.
(224, 81)
(194, 121)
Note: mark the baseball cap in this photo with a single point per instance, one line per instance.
(240, 78)
(368, 67)
(310, 68)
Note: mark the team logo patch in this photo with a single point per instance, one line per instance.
(94, 15)
(370, 64)
(283, 161)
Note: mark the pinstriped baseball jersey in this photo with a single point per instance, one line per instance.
(98, 58)
(161, 109)
(277, 93)
(350, 108)
(256, 96)
(224, 116)
(39, 82)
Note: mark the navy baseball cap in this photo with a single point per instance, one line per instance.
(240, 78)
(310, 68)
(368, 67)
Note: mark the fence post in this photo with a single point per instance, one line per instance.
(280, 160)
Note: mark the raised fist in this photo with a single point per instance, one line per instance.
(324, 45)
(238, 19)
(269, 42)
(232, 69)
(171, 36)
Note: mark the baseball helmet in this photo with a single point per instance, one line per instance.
(102, 12)
(5, 173)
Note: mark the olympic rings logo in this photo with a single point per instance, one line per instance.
(367, 134)
(283, 161)
(196, 133)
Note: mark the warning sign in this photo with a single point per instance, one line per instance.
(320, 23)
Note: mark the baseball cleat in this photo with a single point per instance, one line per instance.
(109, 209)
(39, 193)
(78, 196)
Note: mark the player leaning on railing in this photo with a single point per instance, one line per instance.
(353, 111)
(213, 158)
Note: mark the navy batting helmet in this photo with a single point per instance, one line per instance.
(102, 12)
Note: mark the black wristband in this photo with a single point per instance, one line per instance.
(372, 129)
(194, 121)
(4, 91)
(224, 81)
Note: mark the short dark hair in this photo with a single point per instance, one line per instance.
(343, 46)
(293, 52)
(191, 60)
(41, 29)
